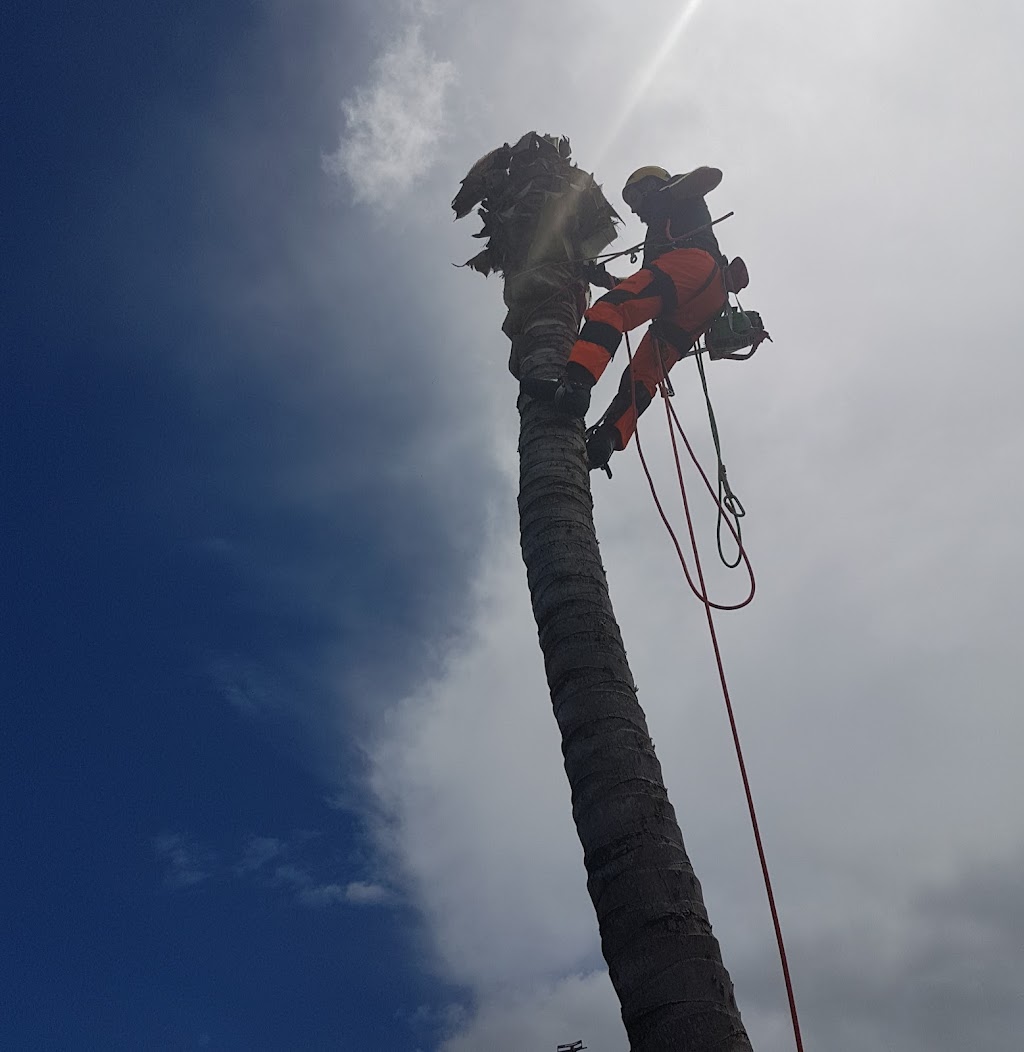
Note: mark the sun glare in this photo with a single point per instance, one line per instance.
(646, 76)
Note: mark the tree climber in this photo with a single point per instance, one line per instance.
(681, 288)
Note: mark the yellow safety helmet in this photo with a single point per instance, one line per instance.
(637, 187)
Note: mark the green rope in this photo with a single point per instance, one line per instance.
(728, 502)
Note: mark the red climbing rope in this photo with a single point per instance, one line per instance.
(700, 592)
(702, 595)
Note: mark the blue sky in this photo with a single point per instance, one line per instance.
(278, 765)
(150, 569)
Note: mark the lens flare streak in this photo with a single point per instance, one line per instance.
(646, 77)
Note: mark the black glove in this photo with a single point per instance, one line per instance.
(570, 395)
(572, 398)
(597, 274)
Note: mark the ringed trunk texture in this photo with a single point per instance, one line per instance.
(664, 961)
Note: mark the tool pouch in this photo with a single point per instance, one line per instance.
(737, 277)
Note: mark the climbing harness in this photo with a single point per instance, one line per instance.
(634, 254)
(700, 590)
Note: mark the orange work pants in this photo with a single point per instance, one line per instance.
(684, 290)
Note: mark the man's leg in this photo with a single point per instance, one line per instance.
(632, 302)
(699, 295)
(651, 363)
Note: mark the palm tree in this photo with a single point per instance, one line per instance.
(543, 216)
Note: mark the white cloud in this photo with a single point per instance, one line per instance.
(188, 864)
(246, 688)
(394, 126)
(265, 861)
(365, 893)
(322, 895)
(259, 851)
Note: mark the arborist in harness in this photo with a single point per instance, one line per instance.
(683, 286)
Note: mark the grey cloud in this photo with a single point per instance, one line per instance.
(466, 777)
(875, 445)
(577, 1007)
(947, 979)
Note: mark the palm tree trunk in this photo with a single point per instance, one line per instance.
(543, 217)
(664, 961)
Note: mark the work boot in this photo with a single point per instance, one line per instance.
(602, 441)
